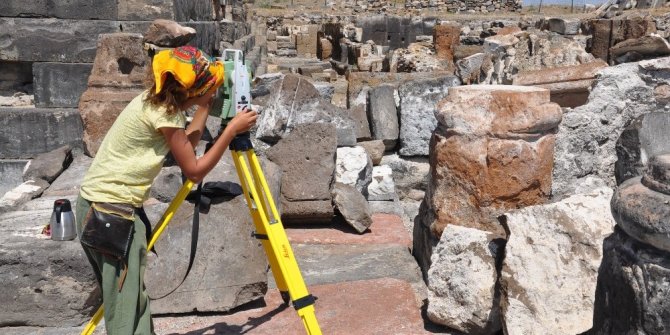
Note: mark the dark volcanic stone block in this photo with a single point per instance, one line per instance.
(51, 40)
(27, 132)
(193, 10)
(62, 9)
(60, 84)
(15, 76)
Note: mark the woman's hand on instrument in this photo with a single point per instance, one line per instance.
(243, 120)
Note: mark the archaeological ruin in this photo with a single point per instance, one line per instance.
(476, 167)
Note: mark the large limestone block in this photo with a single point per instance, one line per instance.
(46, 283)
(551, 263)
(462, 280)
(27, 132)
(418, 102)
(117, 77)
(230, 268)
(307, 159)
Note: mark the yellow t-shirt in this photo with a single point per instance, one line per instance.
(131, 154)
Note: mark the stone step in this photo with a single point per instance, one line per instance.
(11, 174)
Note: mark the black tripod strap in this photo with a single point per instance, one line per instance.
(195, 228)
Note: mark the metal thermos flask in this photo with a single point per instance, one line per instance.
(62, 221)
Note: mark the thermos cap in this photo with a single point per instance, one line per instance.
(63, 204)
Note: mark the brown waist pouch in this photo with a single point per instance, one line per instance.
(108, 229)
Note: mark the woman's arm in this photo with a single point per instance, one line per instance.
(181, 147)
(196, 128)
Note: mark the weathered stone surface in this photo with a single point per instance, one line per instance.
(79, 10)
(353, 167)
(587, 137)
(27, 132)
(167, 33)
(418, 101)
(607, 33)
(193, 10)
(293, 100)
(636, 49)
(143, 10)
(49, 283)
(67, 184)
(59, 84)
(569, 85)
(642, 213)
(48, 166)
(375, 149)
(22, 194)
(383, 115)
(475, 69)
(381, 188)
(307, 159)
(240, 268)
(166, 184)
(633, 275)
(446, 38)
(206, 36)
(353, 206)
(117, 77)
(551, 263)
(409, 173)
(52, 40)
(11, 174)
(306, 41)
(491, 151)
(462, 279)
(564, 26)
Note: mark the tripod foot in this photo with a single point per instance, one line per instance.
(285, 297)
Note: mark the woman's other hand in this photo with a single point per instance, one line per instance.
(243, 121)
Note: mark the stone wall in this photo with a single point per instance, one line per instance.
(468, 6)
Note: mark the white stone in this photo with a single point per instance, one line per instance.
(382, 186)
(353, 167)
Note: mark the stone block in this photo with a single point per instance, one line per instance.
(228, 30)
(383, 115)
(608, 33)
(644, 137)
(28, 132)
(306, 42)
(168, 33)
(52, 40)
(446, 38)
(564, 26)
(59, 84)
(143, 10)
(206, 36)
(71, 9)
(11, 174)
(193, 10)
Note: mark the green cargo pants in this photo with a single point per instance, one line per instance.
(126, 311)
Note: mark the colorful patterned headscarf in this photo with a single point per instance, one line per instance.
(192, 68)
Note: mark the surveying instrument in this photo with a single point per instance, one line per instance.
(233, 95)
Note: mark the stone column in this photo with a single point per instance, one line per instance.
(632, 293)
(445, 38)
(492, 151)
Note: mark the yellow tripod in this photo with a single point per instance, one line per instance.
(269, 229)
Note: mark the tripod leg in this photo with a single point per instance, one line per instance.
(277, 246)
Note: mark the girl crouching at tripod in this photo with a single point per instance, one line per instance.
(110, 221)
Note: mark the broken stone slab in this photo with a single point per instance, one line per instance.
(353, 167)
(307, 160)
(636, 49)
(418, 101)
(167, 33)
(409, 173)
(569, 85)
(551, 263)
(462, 280)
(21, 194)
(475, 69)
(48, 166)
(59, 84)
(27, 132)
(383, 115)
(564, 26)
(39, 274)
(353, 207)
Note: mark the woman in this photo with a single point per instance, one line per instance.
(132, 154)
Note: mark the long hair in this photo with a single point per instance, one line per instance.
(172, 95)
